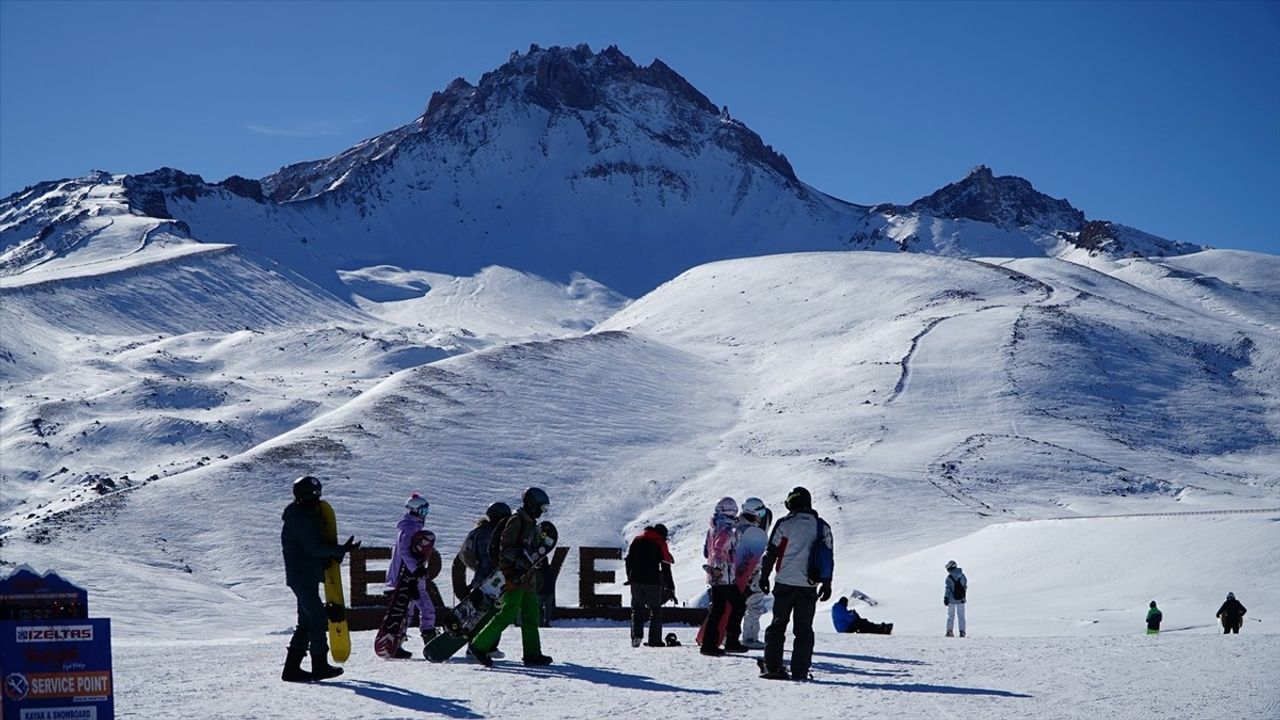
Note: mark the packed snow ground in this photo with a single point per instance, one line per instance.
(597, 674)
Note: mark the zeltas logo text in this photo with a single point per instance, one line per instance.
(65, 633)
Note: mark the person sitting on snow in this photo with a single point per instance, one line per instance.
(847, 620)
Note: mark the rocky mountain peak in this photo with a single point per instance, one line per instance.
(1007, 201)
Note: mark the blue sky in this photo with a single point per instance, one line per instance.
(1164, 116)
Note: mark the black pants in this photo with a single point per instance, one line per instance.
(312, 631)
(1231, 625)
(725, 598)
(546, 603)
(803, 602)
(646, 606)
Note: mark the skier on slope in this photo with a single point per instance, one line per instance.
(757, 601)
(954, 594)
(1232, 614)
(306, 553)
(801, 552)
(1154, 617)
(649, 576)
(521, 534)
(718, 549)
(412, 554)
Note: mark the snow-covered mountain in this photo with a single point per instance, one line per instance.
(561, 161)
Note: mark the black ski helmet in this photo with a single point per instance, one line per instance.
(306, 489)
(536, 501)
(498, 511)
(799, 499)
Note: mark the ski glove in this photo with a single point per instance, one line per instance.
(764, 584)
(824, 592)
(415, 592)
(348, 546)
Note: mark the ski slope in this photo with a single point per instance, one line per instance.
(937, 408)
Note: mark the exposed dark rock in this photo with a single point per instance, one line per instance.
(243, 187)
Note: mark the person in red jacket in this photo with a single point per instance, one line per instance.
(649, 575)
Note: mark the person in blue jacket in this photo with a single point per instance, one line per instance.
(847, 620)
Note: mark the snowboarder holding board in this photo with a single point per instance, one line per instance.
(800, 551)
(718, 549)
(754, 509)
(405, 561)
(954, 594)
(1232, 614)
(1154, 616)
(649, 576)
(520, 536)
(306, 553)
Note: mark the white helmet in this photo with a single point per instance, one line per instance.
(417, 505)
(754, 507)
(727, 507)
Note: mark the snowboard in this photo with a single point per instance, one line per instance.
(392, 632)
(859, 595)
(747, 552)
(334, 604)
(481, 603)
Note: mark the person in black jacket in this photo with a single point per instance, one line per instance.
(306, 553)
(649, 575)
(1232, 615)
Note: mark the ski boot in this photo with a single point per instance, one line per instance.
(539, 659)
(321, 669)
(293, 671)
(481, 656)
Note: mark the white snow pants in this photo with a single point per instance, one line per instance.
(756, 603)
(954, 609)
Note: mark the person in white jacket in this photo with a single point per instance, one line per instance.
(755, 511)
(800, 552)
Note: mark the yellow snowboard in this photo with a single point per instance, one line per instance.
(334, 604)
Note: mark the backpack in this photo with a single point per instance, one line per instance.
(495, 540)
(957, 589)
(468, 553)
(821, 561)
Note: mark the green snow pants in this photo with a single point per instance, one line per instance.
(523, 602)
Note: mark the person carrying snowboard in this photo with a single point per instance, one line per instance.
(847, 620)
(1154, 616)
(306, 554)
(801, 552)
(754, 510)
(520, 535)
(954, 593)
(649, 576)
(1232, 615)
(411, 555)
(718, 549)
(475, 555)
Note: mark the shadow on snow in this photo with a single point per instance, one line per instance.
(869, 658)
(407, 699)
(601, 676)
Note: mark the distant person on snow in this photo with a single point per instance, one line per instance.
(1154, 616)
(718, 549)
(649, 576)
(520, 535)
(847, 620)
(800, 551)
(412, 554)
(1231, 614)
(954, 594)
(306, 554)
(754, 510)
